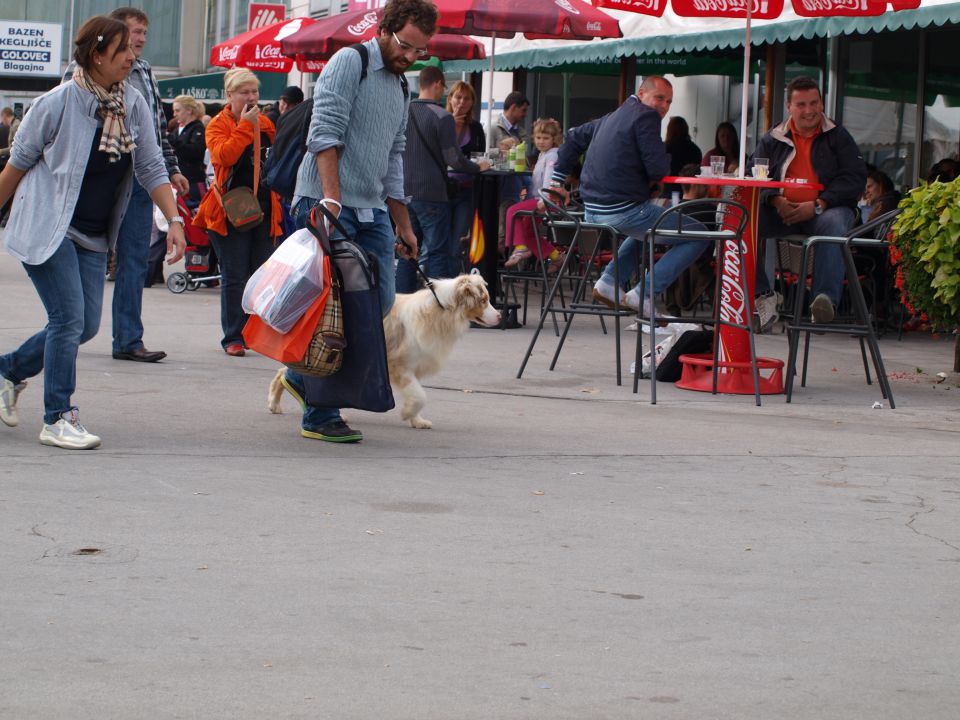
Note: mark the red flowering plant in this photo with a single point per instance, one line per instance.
(925, 249)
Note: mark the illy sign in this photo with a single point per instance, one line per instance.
(260, 15)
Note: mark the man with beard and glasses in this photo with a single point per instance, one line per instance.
(354, 162)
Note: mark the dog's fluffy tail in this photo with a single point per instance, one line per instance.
(275, 392)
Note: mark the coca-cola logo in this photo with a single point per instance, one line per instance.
(567, 6)
(826, 6)
(268, 52)
(369, 21)
(733, 306)
(759, 7)
(594, 27)
(652, 5)
(229, 53)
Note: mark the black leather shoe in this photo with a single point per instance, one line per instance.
(139, 355)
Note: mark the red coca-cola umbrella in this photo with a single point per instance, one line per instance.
(757, 10)
(313, 45)
(260, 48)
(556, 19)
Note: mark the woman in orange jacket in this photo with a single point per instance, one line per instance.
(230, 138)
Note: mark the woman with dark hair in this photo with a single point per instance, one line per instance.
(683, 151)
(727, 144)
(879, 196)
(72, 169)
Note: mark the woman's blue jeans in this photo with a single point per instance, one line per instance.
(70, 286)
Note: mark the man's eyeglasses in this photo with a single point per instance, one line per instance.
(406, 48)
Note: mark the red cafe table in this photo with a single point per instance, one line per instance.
(734, 373)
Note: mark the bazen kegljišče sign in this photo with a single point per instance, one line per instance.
(30, 48)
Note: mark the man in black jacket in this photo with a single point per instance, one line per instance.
(809, 146)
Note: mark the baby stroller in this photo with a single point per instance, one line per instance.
(199, 258)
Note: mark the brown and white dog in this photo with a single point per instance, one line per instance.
(420, 335)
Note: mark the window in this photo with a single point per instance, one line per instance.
(941, 100)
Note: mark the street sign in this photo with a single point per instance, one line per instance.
(262, 14)
(30, 48)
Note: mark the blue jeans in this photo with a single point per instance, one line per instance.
(239, 255)
(634, 222)
(461, 217)
(377, 238)
(431, 223)
(828, 267)
(133, 247)
(70, 286)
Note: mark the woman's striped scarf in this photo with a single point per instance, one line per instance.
(115, 139)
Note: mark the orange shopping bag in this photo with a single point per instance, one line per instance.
(288, 347)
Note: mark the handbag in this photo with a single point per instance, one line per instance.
(324, 354)
(363, 381)
(453, 186)
(240, 205)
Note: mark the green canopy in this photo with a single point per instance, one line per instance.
(209, 87)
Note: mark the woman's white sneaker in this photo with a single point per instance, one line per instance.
(9, 392)
(68, 433)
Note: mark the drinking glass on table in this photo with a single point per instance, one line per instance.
(718, 164)
(761, 168)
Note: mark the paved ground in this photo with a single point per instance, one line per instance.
(555, 548)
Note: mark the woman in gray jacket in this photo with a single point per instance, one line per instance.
(70, 173)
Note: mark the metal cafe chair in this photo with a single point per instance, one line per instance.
(720, 222)
(860, 325)
(586, 243)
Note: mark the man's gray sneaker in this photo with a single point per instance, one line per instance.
(822, 310)
(9, 392)
(68, 433)
(765, 312)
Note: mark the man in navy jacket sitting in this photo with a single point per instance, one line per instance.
(625, 155)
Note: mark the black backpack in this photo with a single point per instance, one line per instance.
(290, 142)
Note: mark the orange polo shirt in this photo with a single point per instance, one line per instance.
(801, 167)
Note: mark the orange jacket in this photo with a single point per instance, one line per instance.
(226, 140)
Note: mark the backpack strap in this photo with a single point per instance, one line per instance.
(365, 60)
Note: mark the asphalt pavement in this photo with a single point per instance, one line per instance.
(554, 548)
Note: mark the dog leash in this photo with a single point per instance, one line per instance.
(427, 281)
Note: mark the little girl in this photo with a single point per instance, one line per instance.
(521, 234)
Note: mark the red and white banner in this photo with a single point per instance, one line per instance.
(261, 14)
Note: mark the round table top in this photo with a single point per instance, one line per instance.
(734, 181)
(502, 173)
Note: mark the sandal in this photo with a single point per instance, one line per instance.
(553, 266)
(517, 257)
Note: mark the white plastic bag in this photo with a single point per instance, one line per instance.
(673, 332)
(282, 289)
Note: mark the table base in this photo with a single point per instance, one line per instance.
(738, 380)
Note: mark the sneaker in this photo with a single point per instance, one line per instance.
(9, 392)
(821, 309)
(68, 433)
(632, 301)
(295, 389)
(603, 294)
(765, 312)
(337, 431)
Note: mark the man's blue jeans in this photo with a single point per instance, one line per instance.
(634, 222)
(431, 223)
(377, 238)
(828, 267)
(70, 286)
(133, 248)
(461, 217)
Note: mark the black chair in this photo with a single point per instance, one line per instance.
(721, 222)
(579, 269)
(860, 325)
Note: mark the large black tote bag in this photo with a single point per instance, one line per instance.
(362, 381)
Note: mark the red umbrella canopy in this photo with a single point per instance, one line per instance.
(560, 19)
(259, 49)
(761, 9)
(324, 37)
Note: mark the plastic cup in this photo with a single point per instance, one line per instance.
(761, 168)
(718, 164)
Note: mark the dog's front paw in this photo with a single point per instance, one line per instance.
(420, 423)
